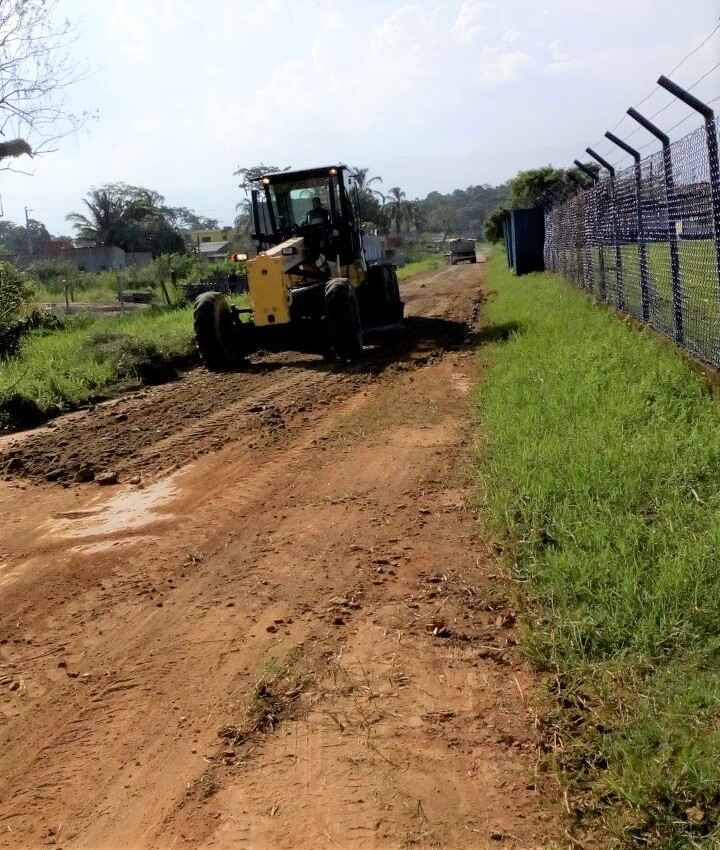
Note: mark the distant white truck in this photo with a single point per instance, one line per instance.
(462, 251)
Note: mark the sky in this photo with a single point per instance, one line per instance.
(428, 95)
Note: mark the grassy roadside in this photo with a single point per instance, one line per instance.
(426, 264)
(599, 469)
(431, 262)
(60, 369)
(101, 294)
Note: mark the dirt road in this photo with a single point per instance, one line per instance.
(281, 629)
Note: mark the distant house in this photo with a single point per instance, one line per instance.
(55, 249)
(214, 250)
(197, 238)
(92, 258)
(98, 258)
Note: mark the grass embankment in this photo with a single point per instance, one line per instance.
(431, 263)
(600, 468)
(92, 294)
(421, 262)
(60, 369)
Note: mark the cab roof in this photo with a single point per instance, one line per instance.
(303, 174)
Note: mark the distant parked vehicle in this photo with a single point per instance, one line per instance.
(136, 296)
(462, 251)
(232, 284)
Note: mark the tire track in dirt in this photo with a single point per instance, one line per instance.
(338, 544)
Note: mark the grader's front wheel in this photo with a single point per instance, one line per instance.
(343, 316)
(218, 331)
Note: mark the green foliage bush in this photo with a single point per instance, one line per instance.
(15, 292)
(129, 356)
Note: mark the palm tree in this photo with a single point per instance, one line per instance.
(366, 198)
(106, 219)
(364, 183)
(397, 207)
(131, 217)
(417, 214)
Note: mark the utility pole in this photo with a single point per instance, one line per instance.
(27, 230)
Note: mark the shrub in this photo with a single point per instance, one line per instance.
(14, 295)
(130, 357)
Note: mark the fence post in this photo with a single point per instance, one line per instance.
(618, 255)
(677, 294)
(611, 171)
(586, 272)
(619, 281)
(712, 152)
(642, 247)
(596, 241)
(580, 237)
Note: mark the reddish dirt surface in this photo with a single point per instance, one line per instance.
(282, 629)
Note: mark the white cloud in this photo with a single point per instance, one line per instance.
(557, 54)
(418, 90)
(472, 20)
(498, 66)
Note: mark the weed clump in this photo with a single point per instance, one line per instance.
(130, 357)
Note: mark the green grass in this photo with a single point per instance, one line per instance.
(431, 263)
(61, 369)
(90, 295)
(600, 469)
(701, 303)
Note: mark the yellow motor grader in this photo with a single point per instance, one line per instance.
(318, 282)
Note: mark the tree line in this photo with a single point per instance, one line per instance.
(138, 219)
(536, 187)
(133, 218)
(390, 210)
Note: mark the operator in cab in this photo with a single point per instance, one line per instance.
(318, 214)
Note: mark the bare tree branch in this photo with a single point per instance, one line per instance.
(35, 73)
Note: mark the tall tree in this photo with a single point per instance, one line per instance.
(249, 175)
(22, 239)
(397, 207)
(131, 217)
(365, 183)
(105, 220)
(187, 219)
(368, 198)
(417, 215)
(538, 187)
(35, 71)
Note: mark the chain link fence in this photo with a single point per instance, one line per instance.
(646, 240)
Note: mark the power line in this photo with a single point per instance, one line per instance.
(670, 103)
(674, 100)
(681, 121)
(690, 88)
(655, 88)
(682, 62)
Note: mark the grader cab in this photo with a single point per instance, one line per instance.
(317, 284)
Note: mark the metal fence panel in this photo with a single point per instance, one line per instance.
(656, 260)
